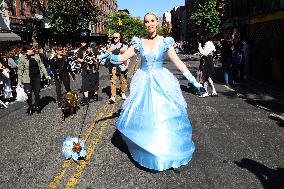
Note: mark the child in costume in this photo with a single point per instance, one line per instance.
(74, 148)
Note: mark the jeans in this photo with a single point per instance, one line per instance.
(226, 70)
(226, 75)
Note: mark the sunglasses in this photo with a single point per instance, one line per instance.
(115, 37)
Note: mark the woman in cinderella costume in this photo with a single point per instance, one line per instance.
(154, 122)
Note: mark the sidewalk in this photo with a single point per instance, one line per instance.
(258, 93)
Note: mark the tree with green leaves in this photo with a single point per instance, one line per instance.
(125, 25)
(70, 16)
(207, 17)
(165, 29)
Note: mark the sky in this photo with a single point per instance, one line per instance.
(141, 7)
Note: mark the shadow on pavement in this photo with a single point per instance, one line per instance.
(268, 105)
(254, 92)
(188, 89)
(114, 115)
(269, 178)
(118, 142)
(44, 101)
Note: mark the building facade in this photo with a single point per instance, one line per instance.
(18, 18)
(125, 11)
(190, 8)
(26, 17)
(178, 18)
(106, 7)
(261, 23)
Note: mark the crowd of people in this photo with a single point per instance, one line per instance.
(37, 68)
(233, 52)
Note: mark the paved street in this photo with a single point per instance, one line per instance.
(239, 138)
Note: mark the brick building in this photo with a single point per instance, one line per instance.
(19, 16)
(106, 6)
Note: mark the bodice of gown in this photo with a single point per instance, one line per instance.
(152, 60)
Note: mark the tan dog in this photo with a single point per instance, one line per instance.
(69, 102)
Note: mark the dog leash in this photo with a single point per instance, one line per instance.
(85, 116)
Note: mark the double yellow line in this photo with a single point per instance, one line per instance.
(106, 109)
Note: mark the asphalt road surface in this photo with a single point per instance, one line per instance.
(239, 142)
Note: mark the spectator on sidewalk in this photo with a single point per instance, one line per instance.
(226, 60)
(237, 62)
(6, 91)
(247, 53)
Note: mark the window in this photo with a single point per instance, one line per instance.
(23, 7)
(13, 7)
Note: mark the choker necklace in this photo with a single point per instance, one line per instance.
(151, 38)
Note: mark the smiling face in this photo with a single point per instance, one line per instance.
(151, 23)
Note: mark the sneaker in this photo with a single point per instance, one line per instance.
(204, 95)
(123, 96)
(214, 94)
(112, 100)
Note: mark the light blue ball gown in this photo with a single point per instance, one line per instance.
(154, 122)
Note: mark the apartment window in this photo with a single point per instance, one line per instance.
(13, 7)
(23, 7)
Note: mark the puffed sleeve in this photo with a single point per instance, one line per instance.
(169, 42)
(136, 42)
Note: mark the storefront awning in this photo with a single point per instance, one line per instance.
(10, 36)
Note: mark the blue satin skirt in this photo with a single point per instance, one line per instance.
(154, 122)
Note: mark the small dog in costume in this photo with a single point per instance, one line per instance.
(69, 102)
(74, 148)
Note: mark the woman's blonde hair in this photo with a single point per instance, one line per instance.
(151, 13)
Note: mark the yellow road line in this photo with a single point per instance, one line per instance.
(59, 176)
(80, 168)
(99, 116)
(68, 163)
